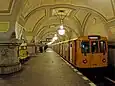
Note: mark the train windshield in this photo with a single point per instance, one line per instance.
(94, 46)
(102, 45)
(85, 47)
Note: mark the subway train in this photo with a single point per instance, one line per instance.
(23, 52)
(86, 52)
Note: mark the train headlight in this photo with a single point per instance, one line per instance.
(85, 61)
(24, 47)
(103, 60)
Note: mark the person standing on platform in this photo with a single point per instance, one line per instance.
(45, 47)
(41, 47)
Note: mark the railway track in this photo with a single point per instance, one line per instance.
(104, 81)
(98, 78)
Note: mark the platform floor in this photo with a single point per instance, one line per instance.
(46, 69)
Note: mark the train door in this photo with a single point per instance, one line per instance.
(66, 50)
(71, 51)
(103, 53)
(84, 55)
(58, 48)
(63, 50)
(53, 47)
(95, 56)
(74, 49)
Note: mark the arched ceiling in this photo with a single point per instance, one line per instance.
(81, 17)
(75, 17)
(9, 13)
(78, 15)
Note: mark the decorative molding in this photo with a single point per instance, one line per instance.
(90, 10)
(63, 6)
(9, 10)
(85, 22)
(37, 23)
(55, 25)
(5, 26)
(113, 6)
(52, 33)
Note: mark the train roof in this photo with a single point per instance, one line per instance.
(82, 38)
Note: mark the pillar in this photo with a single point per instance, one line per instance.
(9, 61)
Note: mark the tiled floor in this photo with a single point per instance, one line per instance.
(46, 69)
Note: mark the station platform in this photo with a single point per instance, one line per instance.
(46, 69)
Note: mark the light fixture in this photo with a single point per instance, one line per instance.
(61, 27)
(55, 37)
(49, 43)
(61, 31)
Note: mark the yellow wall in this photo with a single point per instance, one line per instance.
(4, 26)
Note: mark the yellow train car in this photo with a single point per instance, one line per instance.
(23, 53)
(85, 52)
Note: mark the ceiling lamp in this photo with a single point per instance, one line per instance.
(55, 37)
(61, 31)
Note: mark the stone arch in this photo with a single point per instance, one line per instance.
(94, 25)
(51, 32)
(67, 28)
(92, 11)
(63, 6)
(58, 23)
(71, 7)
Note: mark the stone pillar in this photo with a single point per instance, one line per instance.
(9, 61)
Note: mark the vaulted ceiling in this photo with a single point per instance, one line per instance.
(41, 18)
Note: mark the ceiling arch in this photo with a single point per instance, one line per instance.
(79, 24)
(31, 22)
(39, 25)
(63, 6)
(60, 38)
(42, 20)
(95, 25)
(52, 30)
(55, 27)
(54, 21)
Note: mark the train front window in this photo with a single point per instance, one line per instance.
(94, 46)
(23, 48)
(85, 47)
(102, 45)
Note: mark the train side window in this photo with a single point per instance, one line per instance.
(85, 47)
(94, 46)
(102, 45)
(70, 44)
